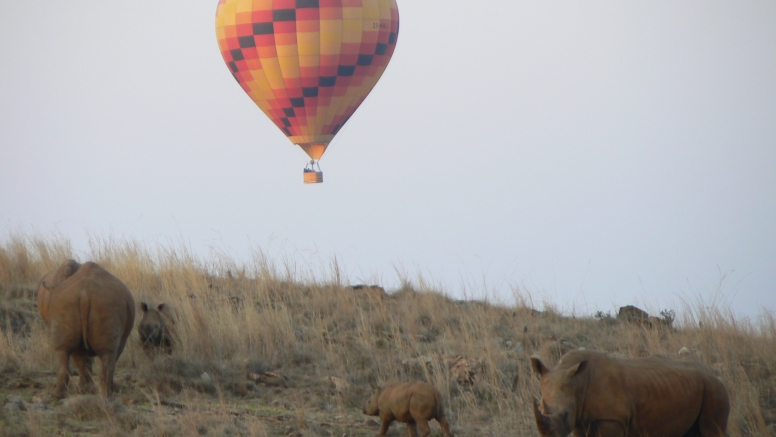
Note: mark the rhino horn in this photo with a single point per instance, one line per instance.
(542, 421)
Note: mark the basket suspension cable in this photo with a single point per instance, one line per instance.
(310, 167)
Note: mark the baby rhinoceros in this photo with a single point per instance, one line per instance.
(156, 329)
(414, 403)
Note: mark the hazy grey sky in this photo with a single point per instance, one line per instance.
(594, 153)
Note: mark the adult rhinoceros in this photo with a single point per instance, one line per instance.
(88, 312)
(591, 394)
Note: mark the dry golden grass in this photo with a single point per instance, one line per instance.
(270, 350)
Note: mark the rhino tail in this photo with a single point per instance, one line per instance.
(84, 310)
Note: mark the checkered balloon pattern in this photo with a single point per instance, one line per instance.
(308, 64)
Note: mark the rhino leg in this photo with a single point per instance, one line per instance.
(108, 366)
(63, 374)
(84, 365)
(445, 426)
(385, 419)
(713, 419)
(425, 430)
(412, 429)
(610, 429)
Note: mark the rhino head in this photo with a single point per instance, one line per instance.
(372, 408)
(155, 327)
(556, 415)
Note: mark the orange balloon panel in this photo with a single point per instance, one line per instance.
(308, 64)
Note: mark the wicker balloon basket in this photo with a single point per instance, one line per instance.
(313, 177)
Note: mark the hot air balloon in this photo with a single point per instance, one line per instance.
(308, 64)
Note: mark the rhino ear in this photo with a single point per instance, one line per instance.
(144, 307)
(58, 276)
(168, 311)
(577, 368)
(69, 268)
(72, 266)
(538, 367)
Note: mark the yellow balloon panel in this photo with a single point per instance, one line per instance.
(308, 64)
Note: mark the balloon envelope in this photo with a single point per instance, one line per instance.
(308, 64)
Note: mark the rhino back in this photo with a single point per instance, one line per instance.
(91, 305)
(655, 395)
(410, 400)
(395, 398)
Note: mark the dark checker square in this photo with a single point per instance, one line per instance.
(327, 80)
(284, 15)
(289, 112)
(392, 38)
(237, 54)
(246, 41)
(233, 66)
(381, 49)
(365, 60)
(285, 121)
(297, 102)
(263, 29)
(306, 3)
(346, 70)
(310, 91)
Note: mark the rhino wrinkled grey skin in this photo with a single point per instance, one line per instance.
(590, 394)
(88, 313)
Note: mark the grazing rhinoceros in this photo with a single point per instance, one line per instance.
(88, 313)
(591, 394)
(414, 403)
(157, 328)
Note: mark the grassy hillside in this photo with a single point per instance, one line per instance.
(265, 351)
